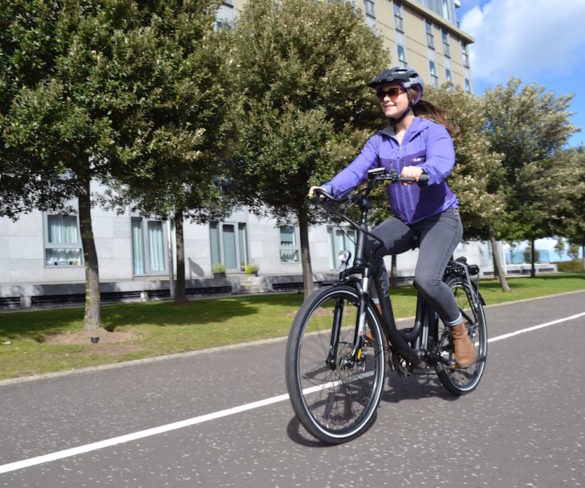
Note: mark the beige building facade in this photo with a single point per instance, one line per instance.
(423, 34)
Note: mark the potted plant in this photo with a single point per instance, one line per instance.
(252, 269)
(218, 270)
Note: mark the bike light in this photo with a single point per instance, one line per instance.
(344, 256)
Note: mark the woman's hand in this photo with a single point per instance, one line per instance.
(313, 188)
(411, 172)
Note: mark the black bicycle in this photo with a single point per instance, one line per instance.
(339, 343)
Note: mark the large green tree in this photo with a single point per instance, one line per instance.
(301, 68)
(569, 213)
(177, 91)
(84, 98)
(530, 127)
(477, 166)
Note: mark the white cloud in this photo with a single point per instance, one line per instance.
(525, 38)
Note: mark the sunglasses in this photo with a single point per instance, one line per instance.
(393, 93)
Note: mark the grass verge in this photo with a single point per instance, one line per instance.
(160, 328)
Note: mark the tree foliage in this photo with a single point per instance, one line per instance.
(102, 91)
(476, 165)
(530, 127)
(301, 71)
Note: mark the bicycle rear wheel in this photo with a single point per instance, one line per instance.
(464, 380)
(334, 394)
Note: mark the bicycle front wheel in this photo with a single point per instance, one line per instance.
(464, 380)
(333, 390)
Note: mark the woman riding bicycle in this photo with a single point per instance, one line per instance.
(415, 142)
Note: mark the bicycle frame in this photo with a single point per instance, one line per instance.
(364, 264)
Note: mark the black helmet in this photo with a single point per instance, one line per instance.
(407, 77)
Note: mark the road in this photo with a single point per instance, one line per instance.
(221, 419)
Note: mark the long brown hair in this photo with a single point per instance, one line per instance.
(430, 111)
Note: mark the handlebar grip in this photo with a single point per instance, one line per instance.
(319, 195)
(423, 180)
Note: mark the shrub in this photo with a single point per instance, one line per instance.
(574, 266)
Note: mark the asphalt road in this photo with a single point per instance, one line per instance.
(221, 419)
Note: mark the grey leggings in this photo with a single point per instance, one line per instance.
(438, 237)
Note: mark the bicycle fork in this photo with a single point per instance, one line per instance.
(360, 327)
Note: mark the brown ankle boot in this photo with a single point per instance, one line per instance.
(464, 351)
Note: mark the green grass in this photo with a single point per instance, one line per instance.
(159, 328)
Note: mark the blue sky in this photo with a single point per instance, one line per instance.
(537, 41)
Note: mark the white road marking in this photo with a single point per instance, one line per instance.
(114, 441)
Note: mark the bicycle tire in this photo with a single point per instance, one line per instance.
(460, 381)
(334, 404)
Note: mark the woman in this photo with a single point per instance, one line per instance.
(415, 142)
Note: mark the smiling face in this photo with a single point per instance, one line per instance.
(393, 100)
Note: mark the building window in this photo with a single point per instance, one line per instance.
(465, 55)
(430, 37)
(446, 48)
(434, 77)
(225, 15)
(229, 245)
(369, 6)
(467, 86)
(149, 247)
(62, 241)
(401, 57)
(289, 250)
(398, 20)
(343, 239)
(448, 77)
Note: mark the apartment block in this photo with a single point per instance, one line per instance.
(423, 34)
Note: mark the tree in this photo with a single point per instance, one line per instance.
(529, 126)
(177, 97)
(81, 100)
(573, 216)
(477, 166)
(301, 71)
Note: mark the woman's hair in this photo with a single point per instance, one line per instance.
(427, 110)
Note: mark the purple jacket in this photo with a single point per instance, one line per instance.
(425, 144)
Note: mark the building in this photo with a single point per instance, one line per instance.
(421, 33)
(42, 259)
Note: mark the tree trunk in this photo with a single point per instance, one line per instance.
(305, 253)
(180, 296)
(532, 259)
(394, 272)
(498, 271)
(91, 317)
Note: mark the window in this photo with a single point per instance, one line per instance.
(467, 86)
(434, 77)
(369, 6)
(430, 37)
(149, 247)
(448, 77)
(340, 240)
(289, 250)
(398, 20)
(62, 241)
(225, 15)
(229, 245)
(401, 57)
(446, 48)
(465, 55)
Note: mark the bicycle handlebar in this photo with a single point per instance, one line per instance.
(374, 176)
